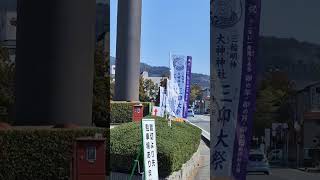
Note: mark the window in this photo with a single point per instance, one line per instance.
(91, 153)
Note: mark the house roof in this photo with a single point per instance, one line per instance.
(312, 115)
(308, 86)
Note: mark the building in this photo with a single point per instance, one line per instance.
(206, 100)
(8, 27)
(305, 132)
(112, 73)
(202, 105)
(155, 79)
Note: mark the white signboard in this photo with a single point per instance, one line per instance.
(157, 111)
(149, 149)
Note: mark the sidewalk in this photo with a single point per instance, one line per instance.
(310, 170)
(204, 170)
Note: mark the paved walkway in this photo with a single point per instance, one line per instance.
(285, 174)
(204, 171)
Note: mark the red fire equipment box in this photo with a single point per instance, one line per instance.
(89, 159)
(137, 113)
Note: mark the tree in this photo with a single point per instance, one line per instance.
(147, 90)
(195, 93)
(272, 102)
(101, 89)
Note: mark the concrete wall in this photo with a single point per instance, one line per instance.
(311, 131)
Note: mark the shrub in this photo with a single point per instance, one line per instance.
(175, 145)
(38, 154)
(121, 112)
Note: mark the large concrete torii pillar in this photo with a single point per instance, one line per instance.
(128, 50)
(55, 62)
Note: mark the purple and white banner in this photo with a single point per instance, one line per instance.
(188, 87)
(234, 37)
(180, 69)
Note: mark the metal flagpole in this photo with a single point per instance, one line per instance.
(168, 85)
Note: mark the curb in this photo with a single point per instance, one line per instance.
(309, 170)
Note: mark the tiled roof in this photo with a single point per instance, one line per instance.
(312, 116)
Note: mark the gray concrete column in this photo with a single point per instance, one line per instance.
(55, 62)
(128, 50)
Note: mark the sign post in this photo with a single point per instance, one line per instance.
(150, 160)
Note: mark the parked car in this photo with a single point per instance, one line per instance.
(258, 162)
(190, 113)
(275, 155)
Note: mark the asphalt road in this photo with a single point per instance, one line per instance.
(201, 121)
(285, 174)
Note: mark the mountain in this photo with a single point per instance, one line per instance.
(300, 60)
(156, 71)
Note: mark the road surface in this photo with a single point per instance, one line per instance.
(285, 174)
(203, 122)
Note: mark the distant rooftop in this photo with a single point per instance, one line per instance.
(8, 4)
(303, 85)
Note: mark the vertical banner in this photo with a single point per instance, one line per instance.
(188, 87)
(163, 100)
(234, 36)
(180, 69)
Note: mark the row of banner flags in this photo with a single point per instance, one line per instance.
(234, 43)
(174, 99)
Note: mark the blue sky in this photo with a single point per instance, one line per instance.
(179, 26)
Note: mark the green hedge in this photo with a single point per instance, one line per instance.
(175, 146)
(121, 112)
(38, 154)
